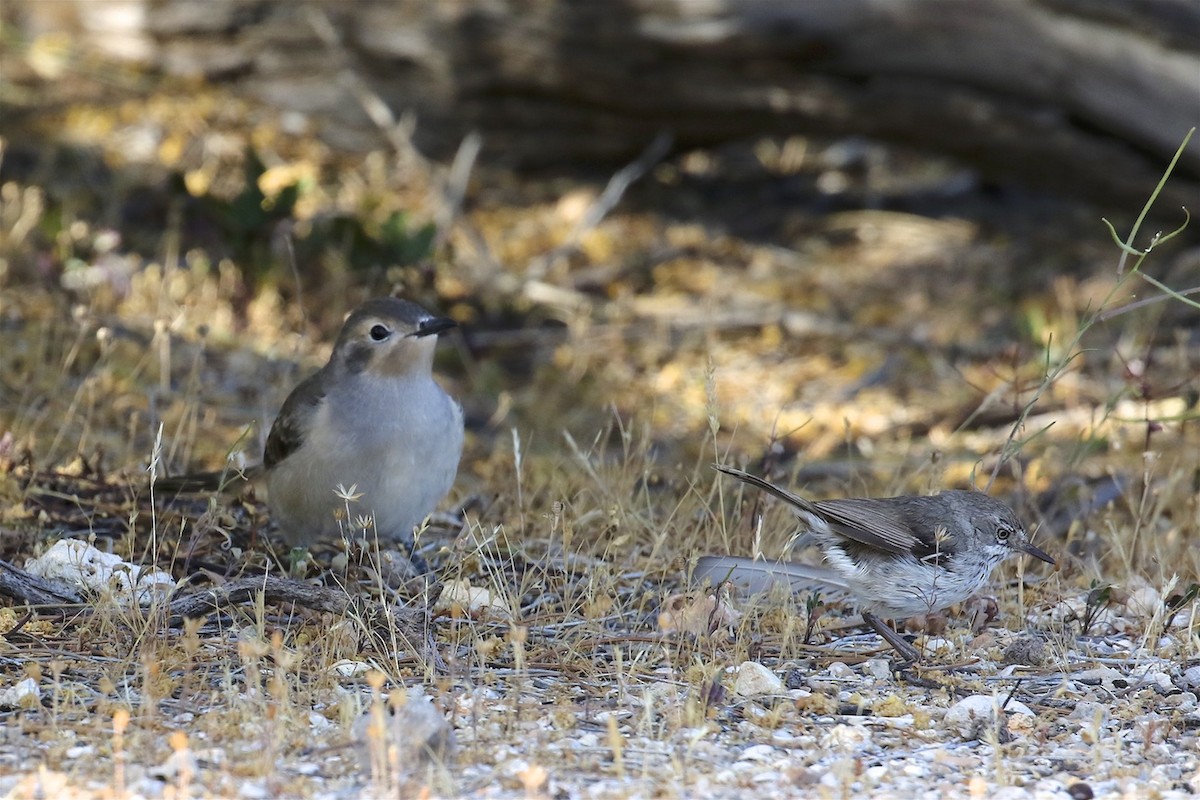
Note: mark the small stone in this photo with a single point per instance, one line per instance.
(754, 680)
(1027, 649)
(772, 777)
(1080, 791)
(933, 645)
(758, 752)
(1007, 793)
(1109, 678)
(848, 737)
(697, 613)
(412, 729)
(1143, 601)
(23, 694)
(1182, 701)
(878, 668)
(180, 763)
(839, 670)
(1160, 679)
(346, 668)
(253, 790)
(973, 716)
(1090, 712)
(460, 598)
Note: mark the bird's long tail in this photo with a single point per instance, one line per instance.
(783, 494)
(757, 576)
(218, 480)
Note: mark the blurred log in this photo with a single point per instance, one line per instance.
(1081, 96)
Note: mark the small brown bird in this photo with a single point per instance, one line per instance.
(894, 556)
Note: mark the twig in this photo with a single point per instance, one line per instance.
(455, 188)
(410, 625)
(1105, 316)
(397, 131)
(21, 585)
(606, 202)
(1053, 371)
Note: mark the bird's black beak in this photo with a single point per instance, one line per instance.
(434, 325)
(1036, 552)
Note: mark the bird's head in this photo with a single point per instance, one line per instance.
(389, 337)
(999, 529)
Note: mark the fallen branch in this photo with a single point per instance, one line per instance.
(385, 623)
(32, 590)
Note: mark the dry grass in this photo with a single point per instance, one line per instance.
(863, 352)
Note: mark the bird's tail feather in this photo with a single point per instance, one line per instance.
(783, 494)
(218, 480)
(757, 576)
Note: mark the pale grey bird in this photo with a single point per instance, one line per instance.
(894, 557)
(372, 421)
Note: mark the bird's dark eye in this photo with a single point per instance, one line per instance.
(379, 333)
(1003, 532)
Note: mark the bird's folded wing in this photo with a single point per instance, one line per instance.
(757, 576)
(291, 426)
(873, 523)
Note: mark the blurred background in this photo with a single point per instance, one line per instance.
(843, 242)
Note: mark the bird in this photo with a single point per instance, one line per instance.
(371, 432)
(894, 557)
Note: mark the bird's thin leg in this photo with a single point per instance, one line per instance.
(414, 555)
(901, 646)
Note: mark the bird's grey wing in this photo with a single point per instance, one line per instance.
(876, 523)
(756, 576)
(873, 523)
(292, 423)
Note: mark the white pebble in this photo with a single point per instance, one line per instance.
(878, 668)
(932, 645)
(22, 694)
(971, 716)
(1162, 679)
(758, 752)
(848, 737)
(839, 670)
(753, 680)
(1089, 712)
(876, 773)
(79, 564)
(1143, 601)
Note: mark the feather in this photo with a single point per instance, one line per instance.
(757, 576)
